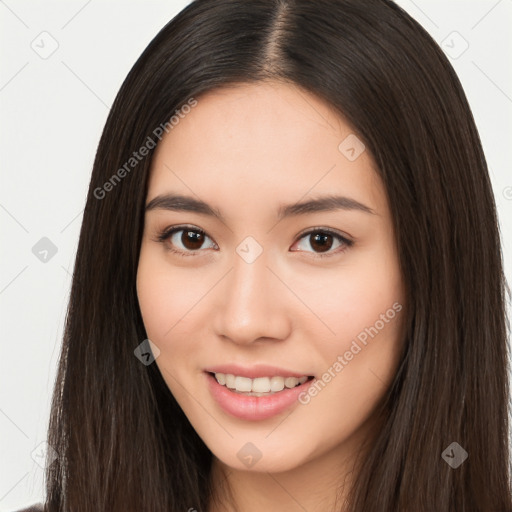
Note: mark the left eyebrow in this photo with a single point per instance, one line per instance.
(323, 204)
(181, 203)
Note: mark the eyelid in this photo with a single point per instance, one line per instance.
(344, 239)
(330, 231)
(166, 233)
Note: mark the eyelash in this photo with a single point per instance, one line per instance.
(165, 234)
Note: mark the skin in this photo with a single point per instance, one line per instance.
(246, 150)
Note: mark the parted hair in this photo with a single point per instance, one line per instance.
(123, 442)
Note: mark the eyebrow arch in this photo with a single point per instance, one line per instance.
(181, 203)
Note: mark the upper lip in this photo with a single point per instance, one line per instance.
(254, 371)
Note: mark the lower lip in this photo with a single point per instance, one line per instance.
(254, 408)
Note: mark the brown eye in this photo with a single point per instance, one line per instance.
(192, 240)
(186, 241)
(321, 241)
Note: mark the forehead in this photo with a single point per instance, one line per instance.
(255, 142)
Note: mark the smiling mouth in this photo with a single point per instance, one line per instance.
(260, 386)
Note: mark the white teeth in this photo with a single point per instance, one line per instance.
(291, 382)
(261, 385)
(243, 384)
(277, 384)
(230, 380)
(258, 385)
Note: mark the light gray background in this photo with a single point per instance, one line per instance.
(52, 112)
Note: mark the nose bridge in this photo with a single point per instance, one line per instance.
(250, 307)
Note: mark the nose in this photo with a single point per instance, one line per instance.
(254, 304)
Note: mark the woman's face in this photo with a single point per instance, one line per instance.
(269, 288)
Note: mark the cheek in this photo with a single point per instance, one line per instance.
(167, 297)
(162, 305)
(153, 296)
(354, 297)
(164, 297)
(170, 300)
(363, 310)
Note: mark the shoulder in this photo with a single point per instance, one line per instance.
(37, 507)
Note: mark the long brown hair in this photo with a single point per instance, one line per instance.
(123, 442)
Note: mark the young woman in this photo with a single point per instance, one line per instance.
(288, 291)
